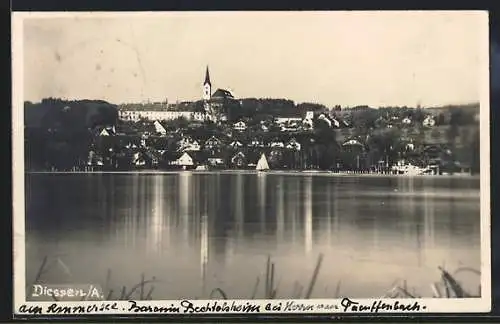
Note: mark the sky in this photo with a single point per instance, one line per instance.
(345, 58)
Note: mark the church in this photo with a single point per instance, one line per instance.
(218, 105)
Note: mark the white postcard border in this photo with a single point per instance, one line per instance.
(482, 304)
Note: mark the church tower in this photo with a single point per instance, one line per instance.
(207, 86)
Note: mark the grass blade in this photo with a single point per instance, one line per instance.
(314, 277)
(255, 287)
(268, 270)
(142, 286)
(271, 281)
(435, 290)
(220, 291)
(337, 289)
(40, 270)
(453, 284)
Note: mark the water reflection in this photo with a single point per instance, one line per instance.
(215, 229)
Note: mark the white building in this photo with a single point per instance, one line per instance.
(284, 120)
(293, 145)
(240, 126)
(236, 144)
(256, 143)
(184, 160)
(326, 120)
(135, 115)
(277, 144)
(159, 128)
(187, 144)
(200, 116)
(429, 121)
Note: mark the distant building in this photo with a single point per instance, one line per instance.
(159, 128)
(240, 126)
(189, 144)
(185, 160)
(136, 115)
(277, 143)
(429, 121)
(326, 120)
(284, 120)
(200, 116)
(212, 143)
(235, 144)
(107, 131)
(256, 143)
(239, 160)
(207, 86)
(308, 121)
(293, 145)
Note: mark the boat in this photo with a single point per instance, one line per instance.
(262, 164)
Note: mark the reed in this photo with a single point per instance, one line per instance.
(447, 287)
(314, 277)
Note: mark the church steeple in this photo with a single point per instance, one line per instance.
(207, 86)
(207, 77)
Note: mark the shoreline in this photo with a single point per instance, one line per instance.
(273, 172)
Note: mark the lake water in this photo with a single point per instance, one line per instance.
(195, 232)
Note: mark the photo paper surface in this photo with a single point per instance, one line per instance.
(251, 162)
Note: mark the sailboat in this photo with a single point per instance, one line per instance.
(262, 164)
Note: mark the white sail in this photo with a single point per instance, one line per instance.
(262, 164)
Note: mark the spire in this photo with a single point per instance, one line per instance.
(207, 77)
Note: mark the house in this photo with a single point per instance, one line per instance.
(291, 126)
(256, 143)
(131, 145)
(189, 144)
(307, 123)
(107, 131)
(277, 143)
(139, 159)
(184, 160)
(235, 144)
(200, 116)
(215, 161)
(159, 128)
(239, 160)
(240, 126)
(335, 122)
(283, 120)
(136, 115)
(325, 119)
(410, 146)
(212, 143)
(293, 145)
(406, 121)
(193, 146)
(429, 121)
(94, 159)
(352, 142)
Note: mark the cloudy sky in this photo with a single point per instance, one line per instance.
(378, 59)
